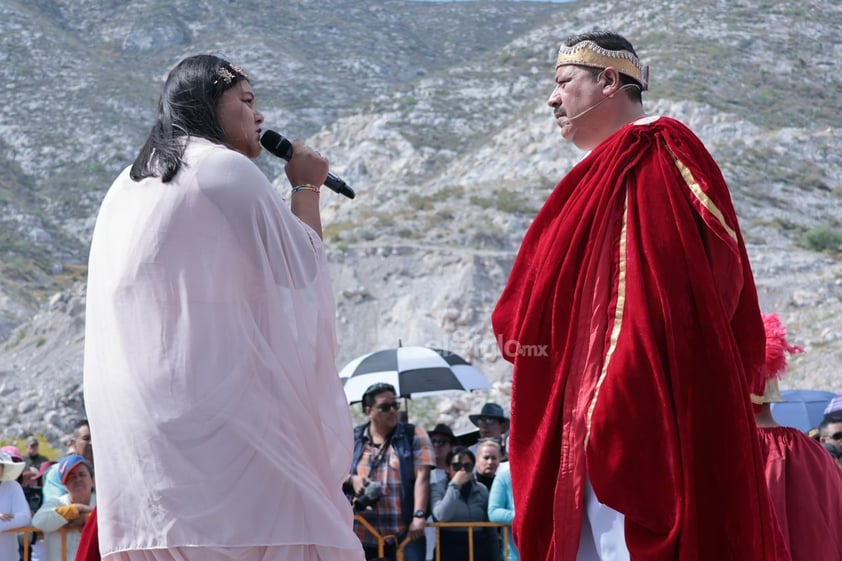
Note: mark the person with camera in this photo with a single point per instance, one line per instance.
(389, 480)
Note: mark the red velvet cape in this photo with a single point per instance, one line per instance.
(632, 320)
(89, 542)
(806, 489)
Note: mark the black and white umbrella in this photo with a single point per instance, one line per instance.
(414, 371)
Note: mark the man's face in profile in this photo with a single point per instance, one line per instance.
(832, 433)
(82, 443)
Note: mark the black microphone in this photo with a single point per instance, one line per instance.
(282, 148)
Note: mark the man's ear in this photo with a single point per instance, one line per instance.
(611, 78)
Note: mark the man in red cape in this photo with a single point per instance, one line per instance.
(805, 484)
(632, 320)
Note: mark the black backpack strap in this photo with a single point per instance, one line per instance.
(409, 431)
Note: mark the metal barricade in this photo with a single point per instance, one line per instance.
(466, 525)
(381, 540)
(28, 531)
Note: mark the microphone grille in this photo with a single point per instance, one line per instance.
(276, 144)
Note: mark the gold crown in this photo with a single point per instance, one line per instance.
(588, 53)
(228, 73)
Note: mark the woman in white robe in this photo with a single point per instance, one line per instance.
(210, 380)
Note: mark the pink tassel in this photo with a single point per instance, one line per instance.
(777, 347)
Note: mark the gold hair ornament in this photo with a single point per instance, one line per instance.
(588, 53)
(228, 73)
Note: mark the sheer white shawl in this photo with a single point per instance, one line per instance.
(217, 415)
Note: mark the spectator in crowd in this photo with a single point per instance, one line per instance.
(830, 431)
(390, 475)
(14, 510)
(461, 498)
(80, 445)
(501, 505)
(29, 479)
(492, 423)
(443, 441)
(33, 458)
(805, 485)
(488, 460)
(69, 510)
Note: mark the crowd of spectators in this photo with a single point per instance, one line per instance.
(431, 486)
(48, 495)
(405, 480)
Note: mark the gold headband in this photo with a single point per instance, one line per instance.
(588, 53)
(228, 73)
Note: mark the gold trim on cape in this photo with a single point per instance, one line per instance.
(702, 197)
(618, 313)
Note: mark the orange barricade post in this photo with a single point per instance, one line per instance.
(27, 531)
(468, 525)
(381, 540)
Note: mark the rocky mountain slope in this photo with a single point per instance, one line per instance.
(434, 113)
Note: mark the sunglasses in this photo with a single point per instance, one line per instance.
(836, 436)
(440, 441)
(386, 407)
(488, 420)
(467, 466)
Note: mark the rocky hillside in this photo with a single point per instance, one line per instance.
(435, 114)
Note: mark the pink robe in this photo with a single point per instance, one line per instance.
(219, 422)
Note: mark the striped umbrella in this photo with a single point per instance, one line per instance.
(414, 371)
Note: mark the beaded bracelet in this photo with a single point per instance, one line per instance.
(307, 187)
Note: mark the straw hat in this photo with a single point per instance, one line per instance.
(11, 468)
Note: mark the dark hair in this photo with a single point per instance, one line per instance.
(187, 107)
(829, 419)
(373, 391)
(460, 451)
(612, 42)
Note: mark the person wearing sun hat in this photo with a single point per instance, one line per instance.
(70, 510)
(805, 485)
(443, 441)
(492, 423)
(14, 510)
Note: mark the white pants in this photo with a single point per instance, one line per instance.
(603, 536)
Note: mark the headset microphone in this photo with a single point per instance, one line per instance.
(600, 102)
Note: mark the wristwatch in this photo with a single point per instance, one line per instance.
(419, 514)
